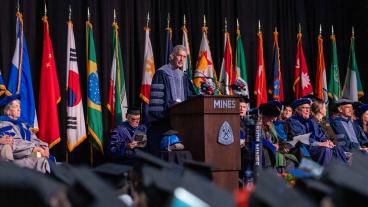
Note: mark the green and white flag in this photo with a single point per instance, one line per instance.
(241, 67)
(353, 89)
(334, 86)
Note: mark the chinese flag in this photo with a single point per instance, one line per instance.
(49, 95)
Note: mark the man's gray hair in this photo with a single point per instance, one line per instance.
(176, 50)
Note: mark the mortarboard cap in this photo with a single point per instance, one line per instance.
(200, 168)
(145, 159)
(361, 110)
(277, 103)
(26, 187)
(271, 190)
(244, 99)
(206, 190)
(114, 174)
(268, 109)
(132, 110)
(343, 101)
(314, 189)
(90, 190)
(300, 102)
(5, 100)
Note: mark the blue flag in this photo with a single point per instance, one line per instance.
(168, 44)
(22, 84)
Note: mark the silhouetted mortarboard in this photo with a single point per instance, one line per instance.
(114, 174)
(26, 187)
(271, 190)
(361, 110)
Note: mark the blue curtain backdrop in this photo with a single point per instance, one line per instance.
(131, 14)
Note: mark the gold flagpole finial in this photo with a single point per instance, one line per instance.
(204, 21)
(88, 14)
(320, 28)
(275, 29)
(332, 30)
(259, 26)
(184, 20)
(70, 12)
(237, 23)
(299, 28)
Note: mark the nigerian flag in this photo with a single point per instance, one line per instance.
(334, 87)
(353, 89)
(94, 112)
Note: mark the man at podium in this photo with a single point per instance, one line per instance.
(170, 85)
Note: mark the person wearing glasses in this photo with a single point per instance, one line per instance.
(321, 149)
(126, 137)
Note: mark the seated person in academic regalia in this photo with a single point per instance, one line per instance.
(321, 149)
(126, 137)
(362, 118)
(349, 134)
(18, 143)
(275, 149)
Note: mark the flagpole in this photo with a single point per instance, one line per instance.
(90, 141)
(66, 145)
(21, 49)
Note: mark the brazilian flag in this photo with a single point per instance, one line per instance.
(94, 111)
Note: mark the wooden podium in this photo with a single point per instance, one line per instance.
(198, 121)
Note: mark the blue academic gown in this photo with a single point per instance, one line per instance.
(322, 155)
(343, 139)
(160, 102)
(120, 137)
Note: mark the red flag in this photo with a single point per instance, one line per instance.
(302, 85)
(49, 95)
(227, 75)
(260, 89)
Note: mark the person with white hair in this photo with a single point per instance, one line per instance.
(19, 144)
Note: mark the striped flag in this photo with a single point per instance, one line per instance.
(302, 85)
(148, 68)
(117, 103)
(94, 111)
(227, 76)
(20, 79)
(278, 87)
(188, 63)
(75, 126)
(205, 79)
(321, 81)
(353, 89)
(260, 88)
(334, 86)
(49, 95)
(241, 67)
